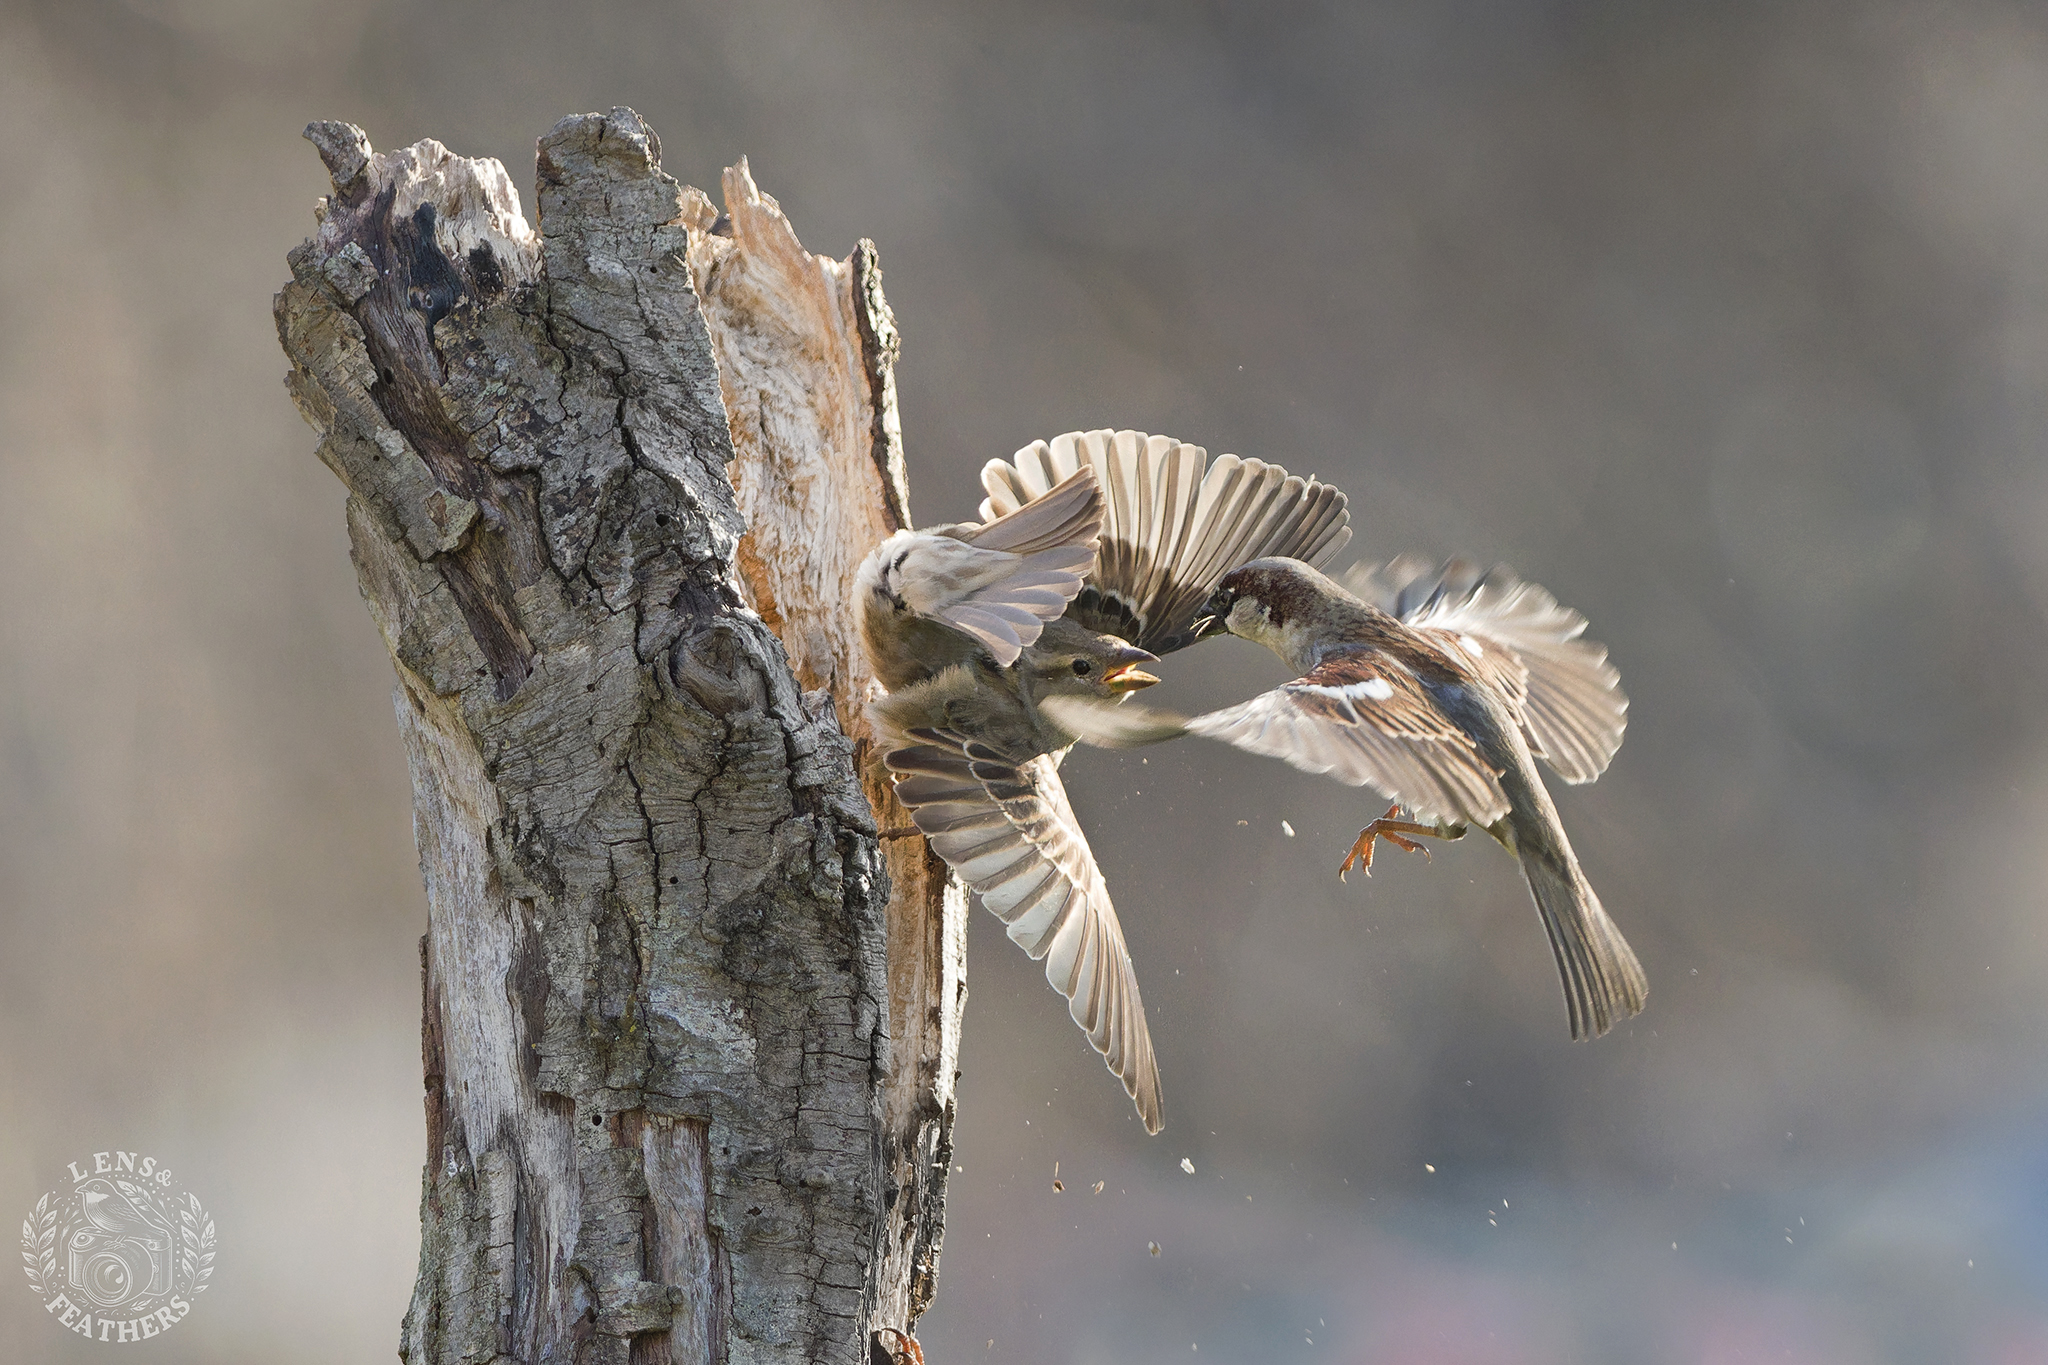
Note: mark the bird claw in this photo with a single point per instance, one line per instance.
(1395, 832)
(882, 1353)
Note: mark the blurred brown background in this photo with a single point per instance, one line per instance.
(1728, 323)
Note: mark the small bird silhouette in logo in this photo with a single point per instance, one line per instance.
(123, 1249)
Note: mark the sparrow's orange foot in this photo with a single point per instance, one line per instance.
(1395, 832)
(904, 1350)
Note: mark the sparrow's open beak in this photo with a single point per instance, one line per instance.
(1124, 675)
(1128, 678)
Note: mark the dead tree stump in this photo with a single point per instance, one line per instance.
(688, 1061)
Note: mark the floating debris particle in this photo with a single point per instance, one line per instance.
(1187, 1165)
(1152, 1247)
(1427, 1167)
(1287, 829)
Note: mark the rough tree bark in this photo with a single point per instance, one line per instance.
(807, 352)
(688, 1062)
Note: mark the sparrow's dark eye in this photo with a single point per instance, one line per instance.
(1082, 668)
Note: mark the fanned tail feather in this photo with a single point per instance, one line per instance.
(1173, 524)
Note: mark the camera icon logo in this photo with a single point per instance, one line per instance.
(119, 1253)
(121, 1250)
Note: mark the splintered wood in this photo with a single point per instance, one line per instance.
(684, 1103)
(806, 353)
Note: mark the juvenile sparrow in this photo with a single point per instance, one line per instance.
(1440, 697)
(968, 734)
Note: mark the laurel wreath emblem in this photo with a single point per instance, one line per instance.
(195, 1231)
(195, 1240)
(39, 1246)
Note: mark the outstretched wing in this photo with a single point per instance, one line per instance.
(1173, 524)
(999, 582)
(1364, 719)
(1575, 711)
(1007, 829)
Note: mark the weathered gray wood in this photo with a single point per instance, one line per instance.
(807, 351)
(657, 994)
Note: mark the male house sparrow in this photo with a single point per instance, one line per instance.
(1440, 697)
(966, 730)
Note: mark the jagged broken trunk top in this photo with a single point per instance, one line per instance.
(664, 1118)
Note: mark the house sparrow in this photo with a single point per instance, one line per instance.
(1440, 697)
(967, 732)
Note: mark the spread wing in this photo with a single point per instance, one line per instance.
(1365, 719)
(1173, 523)
(1007, 829)
(1575, 711)
(999, 582)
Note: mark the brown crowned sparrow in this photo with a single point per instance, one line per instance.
(1440, 697)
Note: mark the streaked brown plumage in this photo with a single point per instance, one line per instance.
(1442, 709)
(967, 728)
